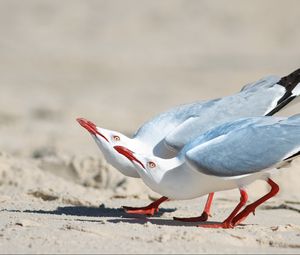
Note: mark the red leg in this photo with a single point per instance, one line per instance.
(150, 209)
(228, 222)
(204, 215)
(251, 208)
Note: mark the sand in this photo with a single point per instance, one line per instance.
(119, 63)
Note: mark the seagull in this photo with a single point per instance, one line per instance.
(166, 134)
(229, 156)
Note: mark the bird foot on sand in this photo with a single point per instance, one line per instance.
(150, 211)
(224, 224)
(203, 217)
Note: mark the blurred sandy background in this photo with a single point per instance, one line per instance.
(119, 63)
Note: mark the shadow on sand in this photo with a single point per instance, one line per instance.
(166, 222)
(118, 215)
(85, 211)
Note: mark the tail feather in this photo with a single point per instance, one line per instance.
(291, 83)
(290, 158)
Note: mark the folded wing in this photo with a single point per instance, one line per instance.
(259, 144)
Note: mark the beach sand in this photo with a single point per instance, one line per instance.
(119, 63)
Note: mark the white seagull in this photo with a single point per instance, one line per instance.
(229, 156)
(167, 133)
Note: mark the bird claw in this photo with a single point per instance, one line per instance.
(202, 218)
(225, 225)
(150, 211)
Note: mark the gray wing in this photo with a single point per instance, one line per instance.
(255, 100)
(179, 136)
(260, 144)
(266, 81)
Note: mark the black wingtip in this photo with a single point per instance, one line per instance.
(290, 158)
(290, 81)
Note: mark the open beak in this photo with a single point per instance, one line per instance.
(128, 154)
(91, 127)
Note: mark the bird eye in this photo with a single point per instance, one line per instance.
(151, 164)
(116, 138)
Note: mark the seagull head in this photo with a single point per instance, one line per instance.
(130, 155)
(93, 129)
(149, 167)
(106, 140)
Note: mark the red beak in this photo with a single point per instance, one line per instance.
(91, 127)
(128, 154)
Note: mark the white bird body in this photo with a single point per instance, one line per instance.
(166, 134)
(183, 183)
(229, 156)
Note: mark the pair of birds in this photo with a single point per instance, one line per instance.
(209, 146)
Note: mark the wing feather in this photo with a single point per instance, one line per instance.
(256, 146)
